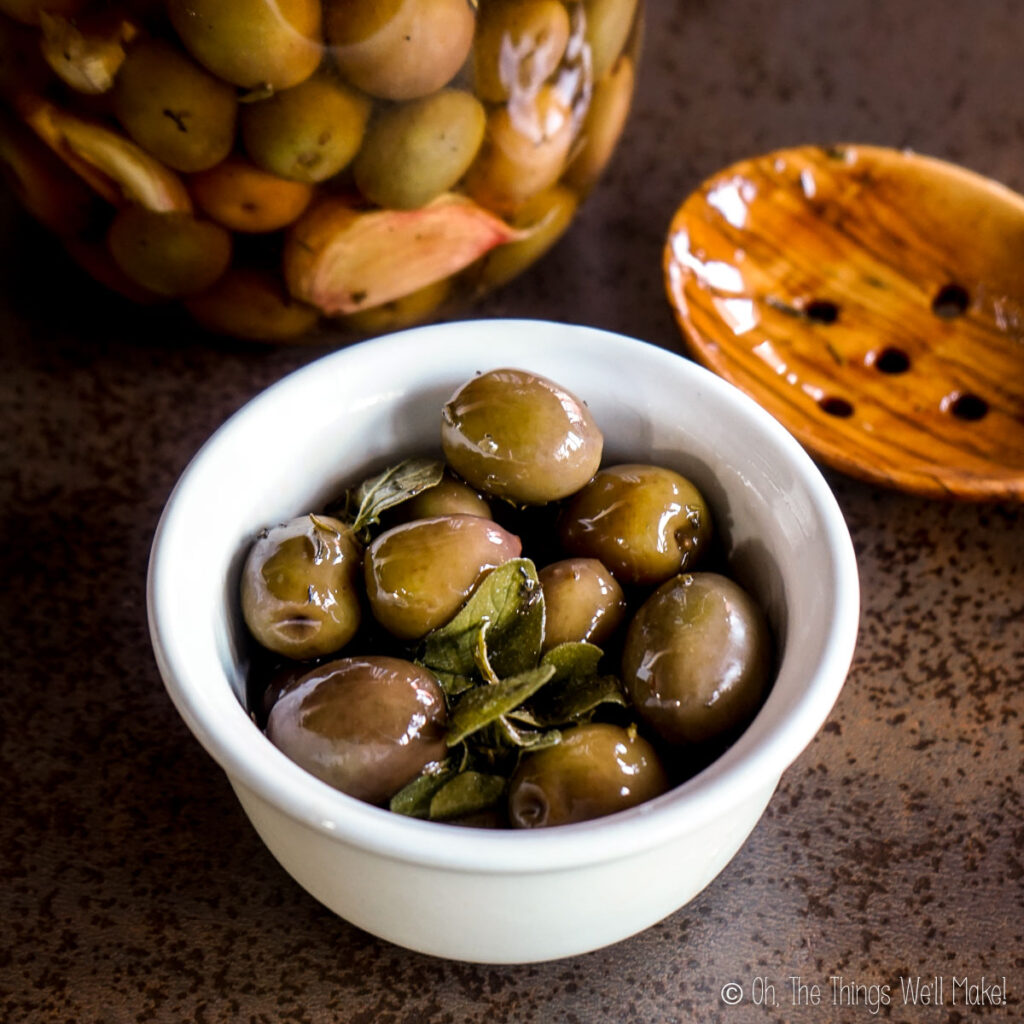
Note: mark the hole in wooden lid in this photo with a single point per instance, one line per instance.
(950, 301)
(821, 311)
(965, 406)
(891, 360)
(834, 406)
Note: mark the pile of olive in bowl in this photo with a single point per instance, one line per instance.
(275, 165)
(432, 666)
(364, 424)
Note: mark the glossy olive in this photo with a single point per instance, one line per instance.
(300, 587)
(173, 108)
(582, 602)
(308, 133)
(419, 574)
(518, 45)
(646, 523)
(257, 44)
(365, 725)
(520, 436)
(448, 498)
(597, 769)
(400, 49)
(415, 151)
(697, 658)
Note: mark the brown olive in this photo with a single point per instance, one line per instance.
(582, 602)
(366, 726)
(520, 436)
(299, 587)
(448, 498)
(646, 523)
(597, 769)
(419, 574)
(697, 658)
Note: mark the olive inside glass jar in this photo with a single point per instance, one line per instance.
(364, 164)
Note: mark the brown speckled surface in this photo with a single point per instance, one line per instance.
(132, 887)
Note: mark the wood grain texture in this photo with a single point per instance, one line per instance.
(873, 301)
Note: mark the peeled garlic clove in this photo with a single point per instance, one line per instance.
(88, 61)
(342, 260)
(119, 170)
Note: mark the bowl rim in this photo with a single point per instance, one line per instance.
(746, 767)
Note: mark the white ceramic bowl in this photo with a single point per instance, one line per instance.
(473, 894)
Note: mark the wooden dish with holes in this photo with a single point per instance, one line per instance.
(873, 301)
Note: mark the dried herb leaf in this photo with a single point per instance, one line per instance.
(509, 600)
(482, 705)
(453, 683)
(575, 698)
(466, 793)
(414, 798)
(396, 484)
(575, 689)
(532, 739)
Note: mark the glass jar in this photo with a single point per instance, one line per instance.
(281, 165)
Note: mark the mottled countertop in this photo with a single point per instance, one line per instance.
(133, 888)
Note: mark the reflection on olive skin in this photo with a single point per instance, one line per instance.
(597, 769)
(645, 523)
(366, 726)
(696, 659)
(419, 574)
(582, 600)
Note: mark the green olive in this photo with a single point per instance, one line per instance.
(519, 436)
(603, 125)
(366, 725)
(173, 108)
(448, 498)
(518, 45)
(256, 44)
(582, 602)
(697, 658)
(308, 133)
(415, 151)
(170, 254)
(597, 769)
(419, 574)
(608, 24)
(525, 149)
(300, 587)
(400, 49)
(545, 218)
(646, 523)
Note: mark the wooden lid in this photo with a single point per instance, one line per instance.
(873, 301)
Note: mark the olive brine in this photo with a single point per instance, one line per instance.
(513, 635)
